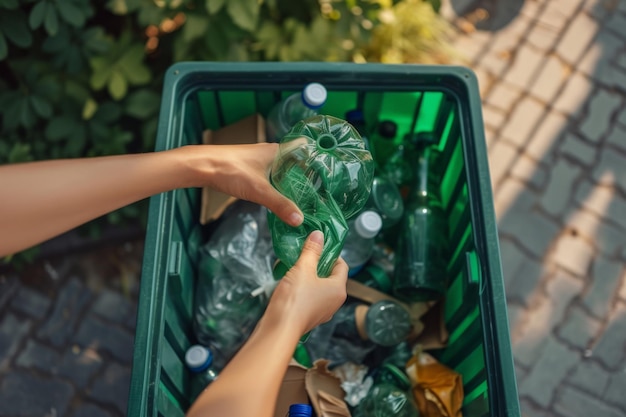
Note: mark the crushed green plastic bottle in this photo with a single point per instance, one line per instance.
(323, 166)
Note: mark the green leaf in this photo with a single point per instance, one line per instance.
(58, 42)
(51, 22)
(101, 72)
(75, 143)
(60, 127)
(89, 109)
(142, 104)
(9, 4)
(245, 13)
(117, 85)
(41, 106)
(15, 27)
(4, 50)
(27, 116)
(195, 26)
(214, 6)
(132, 66)
(122, 7)
(20, 152)
(70, 13)
(37, 14)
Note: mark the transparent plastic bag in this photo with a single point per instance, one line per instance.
(235, 281)
(323, 166)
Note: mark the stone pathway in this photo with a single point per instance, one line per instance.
(66, 334)
(553, 83)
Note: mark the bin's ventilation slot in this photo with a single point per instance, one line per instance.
(473, 274)
(175, 259)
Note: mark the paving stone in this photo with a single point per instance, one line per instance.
(523, 121)
(617, 23)
(590, 377)
(557, 196)
(579, 328)
(525, 282)
(529, 409)
(616, 78)
(495, 62)
(31, 303)
(70, 302)
(26, 395)
(114, 307)
(550, 79)
(493, 117)
(572, 99)
(515, 313)
(38, 356)
(597, 9)
(542, 37)
(9, 284)
(548, 372)
(532, 230)
(617, 137)
(502, 96)
(621, 117)
(601, 108)
(469, 47)
(531, 9)
(79, 365)
(552, 17)
(606, 279)
(621, 60)
(490, 137)
(545, 139)
(577, 38)
(622, 289)
(12, 331)
(501, 156)
(596, 61)
(609, 239)
(542, 318)
(89, 410)
(572, 402)
(573, 254)
(112, 387)
(615, 392)
(611, 170)
(578, 149)
(513, 194)
(98, 335)
(526, 63)
(603, 201)
(512, 259)
(529, 171)
(566, 8)
(611, 348)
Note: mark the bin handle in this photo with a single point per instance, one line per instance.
(473, 272)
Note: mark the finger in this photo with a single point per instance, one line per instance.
(312, 249)
(284, 208)
(340, 271)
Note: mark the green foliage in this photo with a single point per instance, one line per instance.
(83, 77)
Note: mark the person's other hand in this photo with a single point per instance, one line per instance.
(243, 172)
(302, 297)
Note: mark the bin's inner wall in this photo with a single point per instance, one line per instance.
(413, 111)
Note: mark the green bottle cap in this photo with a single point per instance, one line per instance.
(301, 355)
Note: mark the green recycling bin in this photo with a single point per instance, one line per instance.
(443, 100)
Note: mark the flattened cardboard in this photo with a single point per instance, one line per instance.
(325, 392)
(292, 390)
(245, 131)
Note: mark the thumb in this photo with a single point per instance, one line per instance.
(284, 208)
(312, 249)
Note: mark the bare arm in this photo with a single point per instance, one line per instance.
(40, 200)
(250, 383)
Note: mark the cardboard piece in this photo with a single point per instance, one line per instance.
(292, 390)
(317, 386)
(245, 131)
(435, 333)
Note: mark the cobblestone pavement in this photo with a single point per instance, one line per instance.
(66, 334)
(553, 83)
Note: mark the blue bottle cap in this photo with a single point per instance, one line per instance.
(300, 410)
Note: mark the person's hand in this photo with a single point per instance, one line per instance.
(302, 297)
(243, 172)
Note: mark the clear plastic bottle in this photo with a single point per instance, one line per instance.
(300, 410)
(199, 360)
(386, 200)
(389, 396)
(360, 242)
(285, 114)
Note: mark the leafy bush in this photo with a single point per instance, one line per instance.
(83, 77)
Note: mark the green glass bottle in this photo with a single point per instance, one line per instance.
(382, 141)
(322, 166)
(422, 250)
(389, 396)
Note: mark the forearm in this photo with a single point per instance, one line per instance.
(250, 383)
(42, 199)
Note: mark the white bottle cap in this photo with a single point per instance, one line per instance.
(198, 358)
(314, 95)
(368, 224)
